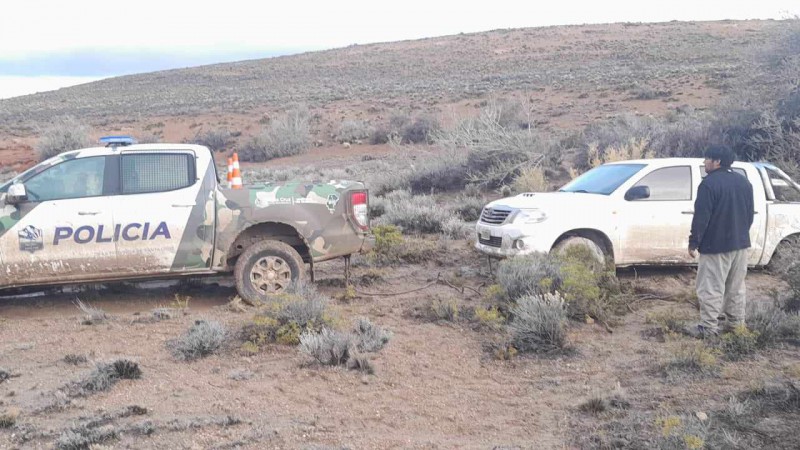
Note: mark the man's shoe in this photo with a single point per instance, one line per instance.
(700, 332)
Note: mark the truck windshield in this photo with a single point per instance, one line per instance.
(602, 180)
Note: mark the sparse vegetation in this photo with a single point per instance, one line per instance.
(62, 135)
(202, 339)
(445, 309)
(74, 359)
(8, 418)
(391, 247)
(106, 375)
(286, 136)
(91, 315)
(693, 360)
(218, 139)
(414, 214)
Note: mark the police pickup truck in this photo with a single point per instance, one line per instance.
(131, 211)
(637, 213)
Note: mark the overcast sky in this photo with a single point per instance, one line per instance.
(45, 44)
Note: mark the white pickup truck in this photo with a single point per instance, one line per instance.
(635, 213)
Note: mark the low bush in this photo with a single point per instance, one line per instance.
(421, 130)
(490, 318)
(62, 135)
(444, 309)
(353, 130)
(105, 375)
(392, 248)
(691, 359)
(282, 320)
(414, 214)
(538, 324)
(533, 274)
(455, 228)
(740, 343)
(328, 347)
(85, 437)
(369, 337)
(287, 135)
(468, 207)
(217, 140)
(530, 179)
(202, 339)
(8, 418)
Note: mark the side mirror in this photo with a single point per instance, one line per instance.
(16, 194)
(637, 193)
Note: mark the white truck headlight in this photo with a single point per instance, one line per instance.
(529, 216)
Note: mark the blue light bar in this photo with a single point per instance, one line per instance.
(114, 141)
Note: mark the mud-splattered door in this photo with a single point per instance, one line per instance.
(655, 230)
(166, 213)
(64, 231)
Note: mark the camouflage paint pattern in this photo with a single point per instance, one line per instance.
(316, 211)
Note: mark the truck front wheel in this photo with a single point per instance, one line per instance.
(267, 267)
(591, 251)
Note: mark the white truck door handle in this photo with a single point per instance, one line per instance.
(187, 205)
(88, 213)
(687, 212)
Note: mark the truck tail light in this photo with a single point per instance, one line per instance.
(359, 204)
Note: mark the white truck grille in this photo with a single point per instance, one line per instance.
(494, 216)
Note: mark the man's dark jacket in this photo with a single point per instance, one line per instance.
(723, 213)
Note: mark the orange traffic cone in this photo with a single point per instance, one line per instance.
(230, 172)
(236, 183)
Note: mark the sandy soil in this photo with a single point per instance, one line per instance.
(435, 385)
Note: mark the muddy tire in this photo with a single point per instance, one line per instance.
(785, 256)
(594, 251)
(267, 267)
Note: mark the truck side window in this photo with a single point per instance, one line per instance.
(738, 170)
(784, 189)
(74, 178)
(669, 183)
(156, 172)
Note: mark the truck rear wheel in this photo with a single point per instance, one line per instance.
(267, 267)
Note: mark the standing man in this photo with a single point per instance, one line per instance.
(723, 214)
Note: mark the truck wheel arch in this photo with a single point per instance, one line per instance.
(596, 236)
(276, 231)
(778, 259)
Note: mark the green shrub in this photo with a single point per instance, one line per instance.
(739, 343)
(285, 317)
(490, 318)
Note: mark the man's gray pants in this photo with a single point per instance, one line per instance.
(720, 287)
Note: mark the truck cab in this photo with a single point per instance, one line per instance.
(635, 212)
